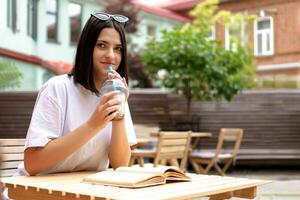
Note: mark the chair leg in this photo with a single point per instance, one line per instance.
(163, 162)
(141, 161)
(173, 162)
(197, 166)
(131, 162)
(219, 169)
(227, 165)
(209, 166)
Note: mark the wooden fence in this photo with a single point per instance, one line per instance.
(270, 120)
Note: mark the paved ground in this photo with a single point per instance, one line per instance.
(285, 183)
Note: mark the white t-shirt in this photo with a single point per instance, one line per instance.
(61, 107)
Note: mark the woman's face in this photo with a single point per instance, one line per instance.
(107, 51)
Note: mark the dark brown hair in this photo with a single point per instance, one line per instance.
(83, 68)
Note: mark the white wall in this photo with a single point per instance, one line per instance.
(63, 50)
(22, 43)
(140, 38)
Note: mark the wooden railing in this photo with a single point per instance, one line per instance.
(270, 119)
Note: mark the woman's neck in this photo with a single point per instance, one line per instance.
(98, 83)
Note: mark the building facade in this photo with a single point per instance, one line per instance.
(274, 36)
(40, 36)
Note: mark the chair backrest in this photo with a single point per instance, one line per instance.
(232, 135)
(173, 145)
(11, 152)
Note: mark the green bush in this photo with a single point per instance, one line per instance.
(280, 84)
(9, 75)
(197, 67)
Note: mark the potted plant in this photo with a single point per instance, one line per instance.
(195, 66)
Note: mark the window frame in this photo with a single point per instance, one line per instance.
(55, 14)
(264, 52)
(72, 43)
(213, 33)
(32, 15)
(12, 15)
(154, 30)
(242, 36)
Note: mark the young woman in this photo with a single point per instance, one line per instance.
(71, 127)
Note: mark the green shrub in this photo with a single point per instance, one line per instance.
(197, 67)
(9, 75)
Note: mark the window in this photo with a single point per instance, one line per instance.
(151, 31)
(51, 20)
(212, 33)
(12, 15)
(46, 76)
(263, 36)
(32, 18)
(74, 13)
(236, 32)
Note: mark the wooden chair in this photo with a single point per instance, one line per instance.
(221, 155)
(171, 146)
(11, 152)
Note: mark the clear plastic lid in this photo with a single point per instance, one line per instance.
(113, 84)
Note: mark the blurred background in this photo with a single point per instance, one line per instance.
(193, 65)
(39, 37)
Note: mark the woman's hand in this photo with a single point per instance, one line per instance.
(105, 111)
(115, 74)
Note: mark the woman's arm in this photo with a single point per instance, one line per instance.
(38, 159)
(119, 150)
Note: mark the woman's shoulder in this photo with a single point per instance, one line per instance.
(60, 79)
(57, 85)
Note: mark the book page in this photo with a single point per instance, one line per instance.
(124, 179)
(171, 173)
(176, 176)
(160, 169)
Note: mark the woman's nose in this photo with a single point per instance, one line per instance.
(110, 53)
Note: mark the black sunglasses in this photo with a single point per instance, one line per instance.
(105, 16)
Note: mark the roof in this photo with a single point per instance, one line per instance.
(153, 8)
(55, 66)
(177, 5)
(161, 12)
(180, 4)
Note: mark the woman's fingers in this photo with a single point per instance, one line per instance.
(111, 116)
(107, 96)
(112, 102)
(127, 91)
(114, 74)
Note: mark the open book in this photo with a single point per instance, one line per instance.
(135, 177)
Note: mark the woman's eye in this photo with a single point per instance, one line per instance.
(118, 49)
(101, 45)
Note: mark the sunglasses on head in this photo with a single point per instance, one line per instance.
(105, 16)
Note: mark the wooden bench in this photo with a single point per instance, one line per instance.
(275, 157)
(11, 152)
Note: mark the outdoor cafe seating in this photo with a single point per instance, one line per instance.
(70, 185)
(171, 146)
(221, 155)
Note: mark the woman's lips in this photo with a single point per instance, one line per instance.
(105, 63)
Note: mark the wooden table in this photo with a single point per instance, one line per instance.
(67, 186)
(193, 134)
(198, 136)
(141, 142)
